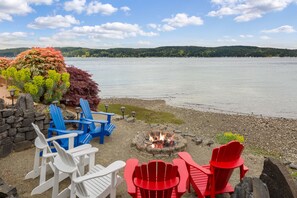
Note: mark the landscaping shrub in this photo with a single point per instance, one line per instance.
(40, 60)
(226, 137)
(43, 89)
(4, 63)
(82, 86)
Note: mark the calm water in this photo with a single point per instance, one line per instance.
(266, 86)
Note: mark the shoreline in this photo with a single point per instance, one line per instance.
(205, 108)
(266, 135)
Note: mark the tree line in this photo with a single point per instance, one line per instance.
(169, 51)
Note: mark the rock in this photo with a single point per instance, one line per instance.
(19, 137)
(130, 120)
(20, 146)
(7, 112)
(177, 131)
(293, 166)
(278, 180)
(251, 188)
(5, 150)
(10, 119)
(1, 103)
(4, 127)
(117, 117)
(7, 191)
(68, 115)
(27, 122)
(29, 114)
(24, 129)
(209, 142)
(25, 102)
(31, 135)
(197, 140)
(12, 132)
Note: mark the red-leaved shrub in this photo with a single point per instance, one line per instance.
(81, 86)
(40, 60)
(4, 62)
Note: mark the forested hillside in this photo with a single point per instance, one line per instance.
(170, 51)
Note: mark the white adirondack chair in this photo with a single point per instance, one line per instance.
(98, 182)
(47, 158)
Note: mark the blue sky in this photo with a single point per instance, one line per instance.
(148, 23)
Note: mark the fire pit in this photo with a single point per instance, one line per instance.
(159, 142)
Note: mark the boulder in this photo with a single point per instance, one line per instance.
(278, 180)
(250, 188)
(25, 102)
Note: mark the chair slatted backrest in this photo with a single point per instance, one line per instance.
(87, 112)
(67, 162)
(42, 143)
(156, 171)
(226, 153)
(57, 117)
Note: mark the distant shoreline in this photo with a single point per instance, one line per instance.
(167, 51)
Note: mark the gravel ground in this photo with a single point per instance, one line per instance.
(275, 135)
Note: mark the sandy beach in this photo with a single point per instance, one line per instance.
(263, 136)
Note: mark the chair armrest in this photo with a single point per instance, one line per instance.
(128, 175)
(243, 170)
(69, 135)
(189, 161)
(103, 113)
(97, 121)
(156, 185)
(115, 166)
(84, 152)
(77, 121)
(78, 132)
(47, 155)
(80, 148)
(227, 165)
(183, 175)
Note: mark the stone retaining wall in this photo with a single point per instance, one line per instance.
(16, 131)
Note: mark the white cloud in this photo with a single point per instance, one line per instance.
(281, 29)
(93, 7)
(115, 30)
(247, 10)
(12, 35)
(97, 7)
(246, 36)
(125, 9)
(265, 37)
(39, 2)
(182, 19)
(75, 5)
(9, 8)
(53, 22)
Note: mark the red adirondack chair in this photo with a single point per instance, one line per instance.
(212, 179)
(157, 179)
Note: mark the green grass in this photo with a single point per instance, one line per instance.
(263, 152)
(143, 114)
(294, 174)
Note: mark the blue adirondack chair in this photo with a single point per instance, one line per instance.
(106, 127)
(58, 125)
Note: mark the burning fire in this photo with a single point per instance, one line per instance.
(161, 139)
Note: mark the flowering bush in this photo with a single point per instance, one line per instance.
(82, 86)
(40, 60)
(4, 63)
(226, 137)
